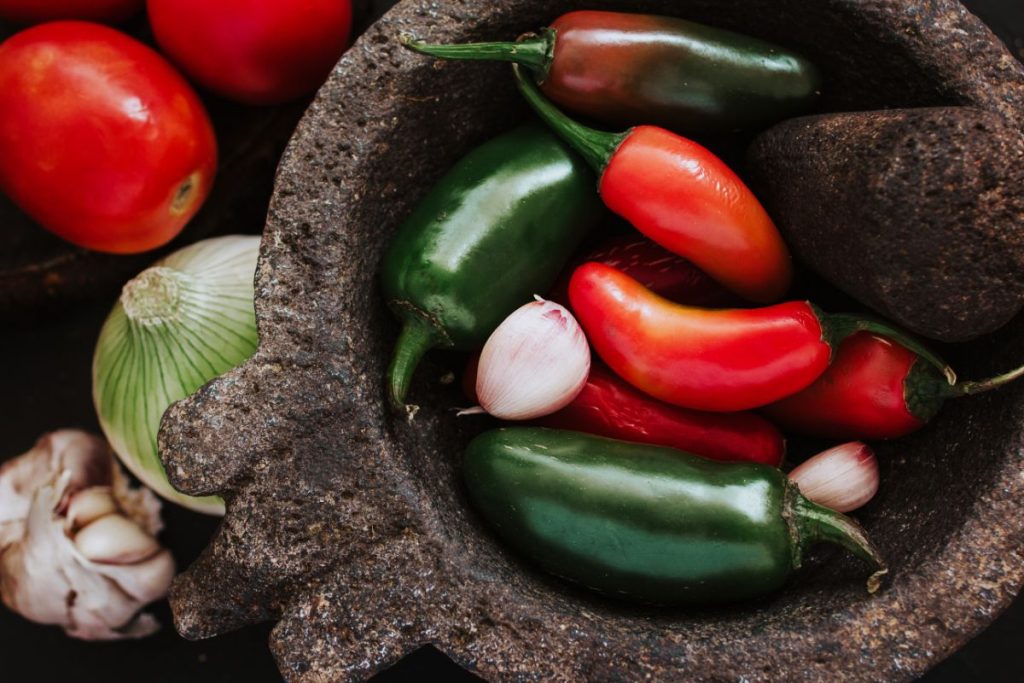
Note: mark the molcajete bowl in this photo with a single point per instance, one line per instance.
(349, 525)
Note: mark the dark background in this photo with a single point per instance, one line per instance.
(46, 370)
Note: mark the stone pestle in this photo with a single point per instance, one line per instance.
(917, 213)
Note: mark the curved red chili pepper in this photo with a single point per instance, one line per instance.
(656, 268)
(717, 360)
(683, 197)
(610, 407)
(875, 389)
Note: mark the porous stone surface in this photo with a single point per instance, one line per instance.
(348, 525)
(918, 213)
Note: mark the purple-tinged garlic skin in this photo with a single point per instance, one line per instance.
(77, 543)
(534, 364)
(843, 478)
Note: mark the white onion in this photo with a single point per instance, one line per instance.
(535, 363)
(178, 325)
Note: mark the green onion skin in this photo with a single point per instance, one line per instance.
(179, 324)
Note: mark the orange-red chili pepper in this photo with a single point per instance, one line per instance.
(717, 360)
(875, 388)
(681, 196)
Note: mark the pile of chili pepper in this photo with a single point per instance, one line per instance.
(654, 475)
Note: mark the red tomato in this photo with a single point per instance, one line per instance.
(101, 140)
(32, 11)
(254, 51)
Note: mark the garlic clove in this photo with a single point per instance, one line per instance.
(843, 478)
(115, 539)
(86, 457)
(144, 581)
(535, 363)
(87, 506)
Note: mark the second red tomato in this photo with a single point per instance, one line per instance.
(33, 11)
(254, 51)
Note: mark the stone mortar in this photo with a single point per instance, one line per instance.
(350, 527)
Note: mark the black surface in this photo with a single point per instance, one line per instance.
(46, 381)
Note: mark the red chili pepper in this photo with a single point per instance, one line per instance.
(719, 360)
(681, 196)
(657, 269)
(610, 407)
(875, 389)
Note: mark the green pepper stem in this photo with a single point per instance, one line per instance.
(416, 339)
(817, 523)
(839, 326)
(983, 385)
(533, 51)
(596, 146)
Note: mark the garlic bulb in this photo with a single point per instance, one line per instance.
(77, 544)
(843, 478)
(535, 363)
(177, 325)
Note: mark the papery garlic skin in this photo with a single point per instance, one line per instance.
(534, 364)
(843, 478)
(65, 493)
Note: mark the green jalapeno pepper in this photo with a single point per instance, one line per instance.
(497, 229)
(646, 522)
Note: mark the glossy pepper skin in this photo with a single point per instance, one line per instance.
(875, 388)
(627, 69)
(494, 231)
(718, 360)
(610, 407)
(656, 268)
(647, 523)
(683, 197)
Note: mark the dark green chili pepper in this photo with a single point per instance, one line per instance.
(495, 230)
(650, 523)
(629, 69)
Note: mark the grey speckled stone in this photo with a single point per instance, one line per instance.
(918, 213)
(350, 527)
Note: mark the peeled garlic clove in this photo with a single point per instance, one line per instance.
(843, 478)
(85, 507)
(115, 539)
(535, 363)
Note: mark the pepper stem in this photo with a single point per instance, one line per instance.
(839, 326)
(596, 146)
(533, 51)
(817, 523)
(983, 385)
(416, 339)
